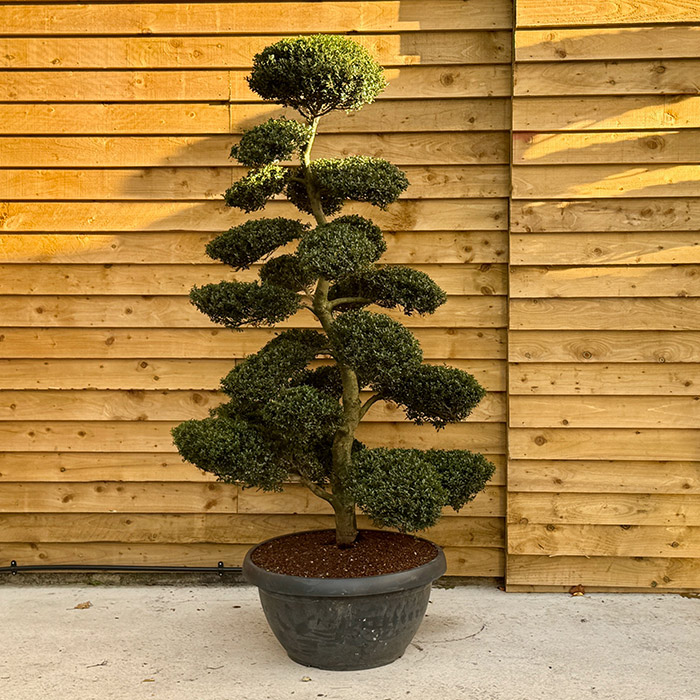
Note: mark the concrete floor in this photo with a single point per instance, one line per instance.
(212, 643)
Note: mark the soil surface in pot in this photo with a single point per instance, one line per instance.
(315, 554)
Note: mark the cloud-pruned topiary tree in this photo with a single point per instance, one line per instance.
(295, 405)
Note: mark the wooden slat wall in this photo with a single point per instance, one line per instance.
(604, 470)
(117, 120)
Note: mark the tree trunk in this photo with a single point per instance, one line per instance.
(345, 524)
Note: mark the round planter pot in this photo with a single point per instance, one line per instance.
(345, 624)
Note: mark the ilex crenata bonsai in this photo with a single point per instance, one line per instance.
(294, 406)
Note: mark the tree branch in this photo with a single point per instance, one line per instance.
(315, 488)
(368, 404)
(349, 300)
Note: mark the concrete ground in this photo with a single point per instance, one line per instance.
(212, 643)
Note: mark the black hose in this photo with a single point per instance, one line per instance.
(14, 568)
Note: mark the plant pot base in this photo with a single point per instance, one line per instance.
(347, 624)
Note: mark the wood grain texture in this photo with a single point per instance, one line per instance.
(603, 540)
(407, 215)
(610, 281)
(224, 51)
(658, 77)
(255, 17)
(408, 82)
(604, 411)
(177, 118)
(182, 343)
(604, 43)
(173, 279)
(173, 374)
(598, 181)
(560, 13)
(600, 314)
(425, 147)
(647, 248)
(600, 147)
(651, 573)
(660, 510)
(660, 379)
(177, 312)
(604, 346)
(196, 183)
(591, 477)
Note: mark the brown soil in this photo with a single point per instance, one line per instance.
(315, 554)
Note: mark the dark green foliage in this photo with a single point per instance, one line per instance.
(316, 74)
(271, 141)
(344, 246)
(325, 378)
(436, 394)
(253, 191)
(235, 304)
(392, 286)
(463, 474)
(273, 368)
(244, 245)
(302, 415)
(287, 271)
(398, 488)
(298, 195)
(358, 178)
(232, 449)
(378, 348)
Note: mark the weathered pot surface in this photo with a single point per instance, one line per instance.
(345, 624)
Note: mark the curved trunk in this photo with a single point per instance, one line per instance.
(343, 503)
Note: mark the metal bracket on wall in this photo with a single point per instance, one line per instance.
(219, 568)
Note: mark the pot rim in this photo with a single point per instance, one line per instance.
(273, 582)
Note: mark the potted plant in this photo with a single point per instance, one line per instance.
(338, 599)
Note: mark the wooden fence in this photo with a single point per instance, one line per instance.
(117, 120)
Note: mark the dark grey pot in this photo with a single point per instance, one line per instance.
(345, 624)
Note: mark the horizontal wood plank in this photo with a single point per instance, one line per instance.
(604, 346)
(605, 113)
(254, 18)
(56, 278)
(194, 184)
(187, 247)
(177, 312)
(222, 51)
(154, 436)
(558, 13)
(603, 411)
(125, 466)
(408, 82)
(662, 510)
(605, 43)
(170, 405)
(658, 77)
(626, 572)
(600, 181)
(600, 314)
(604, 248)
(660, 379)
(424, 147)
(136, 375)
(414, 215)
(176, 118)
(609, 281)
(594, 477)
(182, 343)
(219, 528)
(600, 147)
(604, 443)
(603, 540)
(628, 214)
